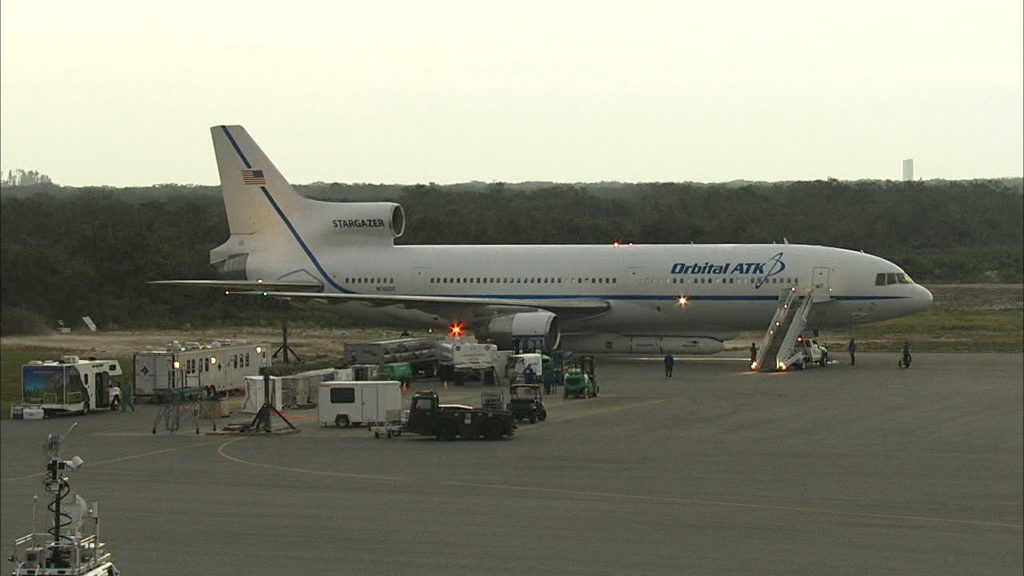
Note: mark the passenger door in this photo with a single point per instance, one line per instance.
(820, 284)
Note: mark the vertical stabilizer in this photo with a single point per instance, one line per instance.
(275, 232)
(255, 192)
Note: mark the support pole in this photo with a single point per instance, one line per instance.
(284, 347)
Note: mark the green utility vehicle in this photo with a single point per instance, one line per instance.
(401, 371)
(579, 380)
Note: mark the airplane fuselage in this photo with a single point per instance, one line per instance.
(727, 288)
(672, 298)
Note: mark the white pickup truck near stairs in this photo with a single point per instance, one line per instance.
(778, 347)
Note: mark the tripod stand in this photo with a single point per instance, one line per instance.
(284, 347)
(261, 423)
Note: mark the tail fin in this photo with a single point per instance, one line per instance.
(254, 189)
(275, 232)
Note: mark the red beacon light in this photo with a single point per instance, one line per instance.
(456, 329)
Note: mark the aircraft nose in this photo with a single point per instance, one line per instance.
(923, 298)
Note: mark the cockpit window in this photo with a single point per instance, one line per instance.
(887, 278)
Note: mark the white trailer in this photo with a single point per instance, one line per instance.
(255, 395)
(345, 404)
(71, 385)
(218, 368)
(297, 390)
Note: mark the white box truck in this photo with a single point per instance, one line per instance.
(345, 404)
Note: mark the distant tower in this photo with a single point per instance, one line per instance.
(908, 170)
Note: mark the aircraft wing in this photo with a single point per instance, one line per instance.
(244, 285)
(556, 305)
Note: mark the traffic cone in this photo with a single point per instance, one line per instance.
(445, 384)
(405, 386)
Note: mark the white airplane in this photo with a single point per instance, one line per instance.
(665, 298)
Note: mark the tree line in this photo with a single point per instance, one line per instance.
(70, 252)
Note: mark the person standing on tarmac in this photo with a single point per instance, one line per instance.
(852, 349)
(669, 364)
(753, 354)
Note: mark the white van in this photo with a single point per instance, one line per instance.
(345, 404)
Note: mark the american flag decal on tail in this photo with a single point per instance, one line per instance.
(253, 178)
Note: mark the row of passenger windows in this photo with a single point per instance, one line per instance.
(885, 278)
(369, 280)
(519, 280)
(699, 280)
(702, 280)
(881, 280)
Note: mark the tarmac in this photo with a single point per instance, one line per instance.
(866, 469)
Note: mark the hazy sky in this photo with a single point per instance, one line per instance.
(124, 92)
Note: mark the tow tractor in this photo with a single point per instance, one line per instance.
(428, 417)
(70, 546)
(579, 380)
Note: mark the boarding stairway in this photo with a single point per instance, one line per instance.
(779, 343)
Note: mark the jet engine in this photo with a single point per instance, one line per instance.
(347, 223)
(537, 327)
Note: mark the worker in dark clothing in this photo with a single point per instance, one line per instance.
(905, 360)
(529, 375)
(852, 349)
(753, 354)
(669, 364)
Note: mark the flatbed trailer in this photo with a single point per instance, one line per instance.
(419, 352)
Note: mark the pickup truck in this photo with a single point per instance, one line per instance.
(428, 417)
(808, 352)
